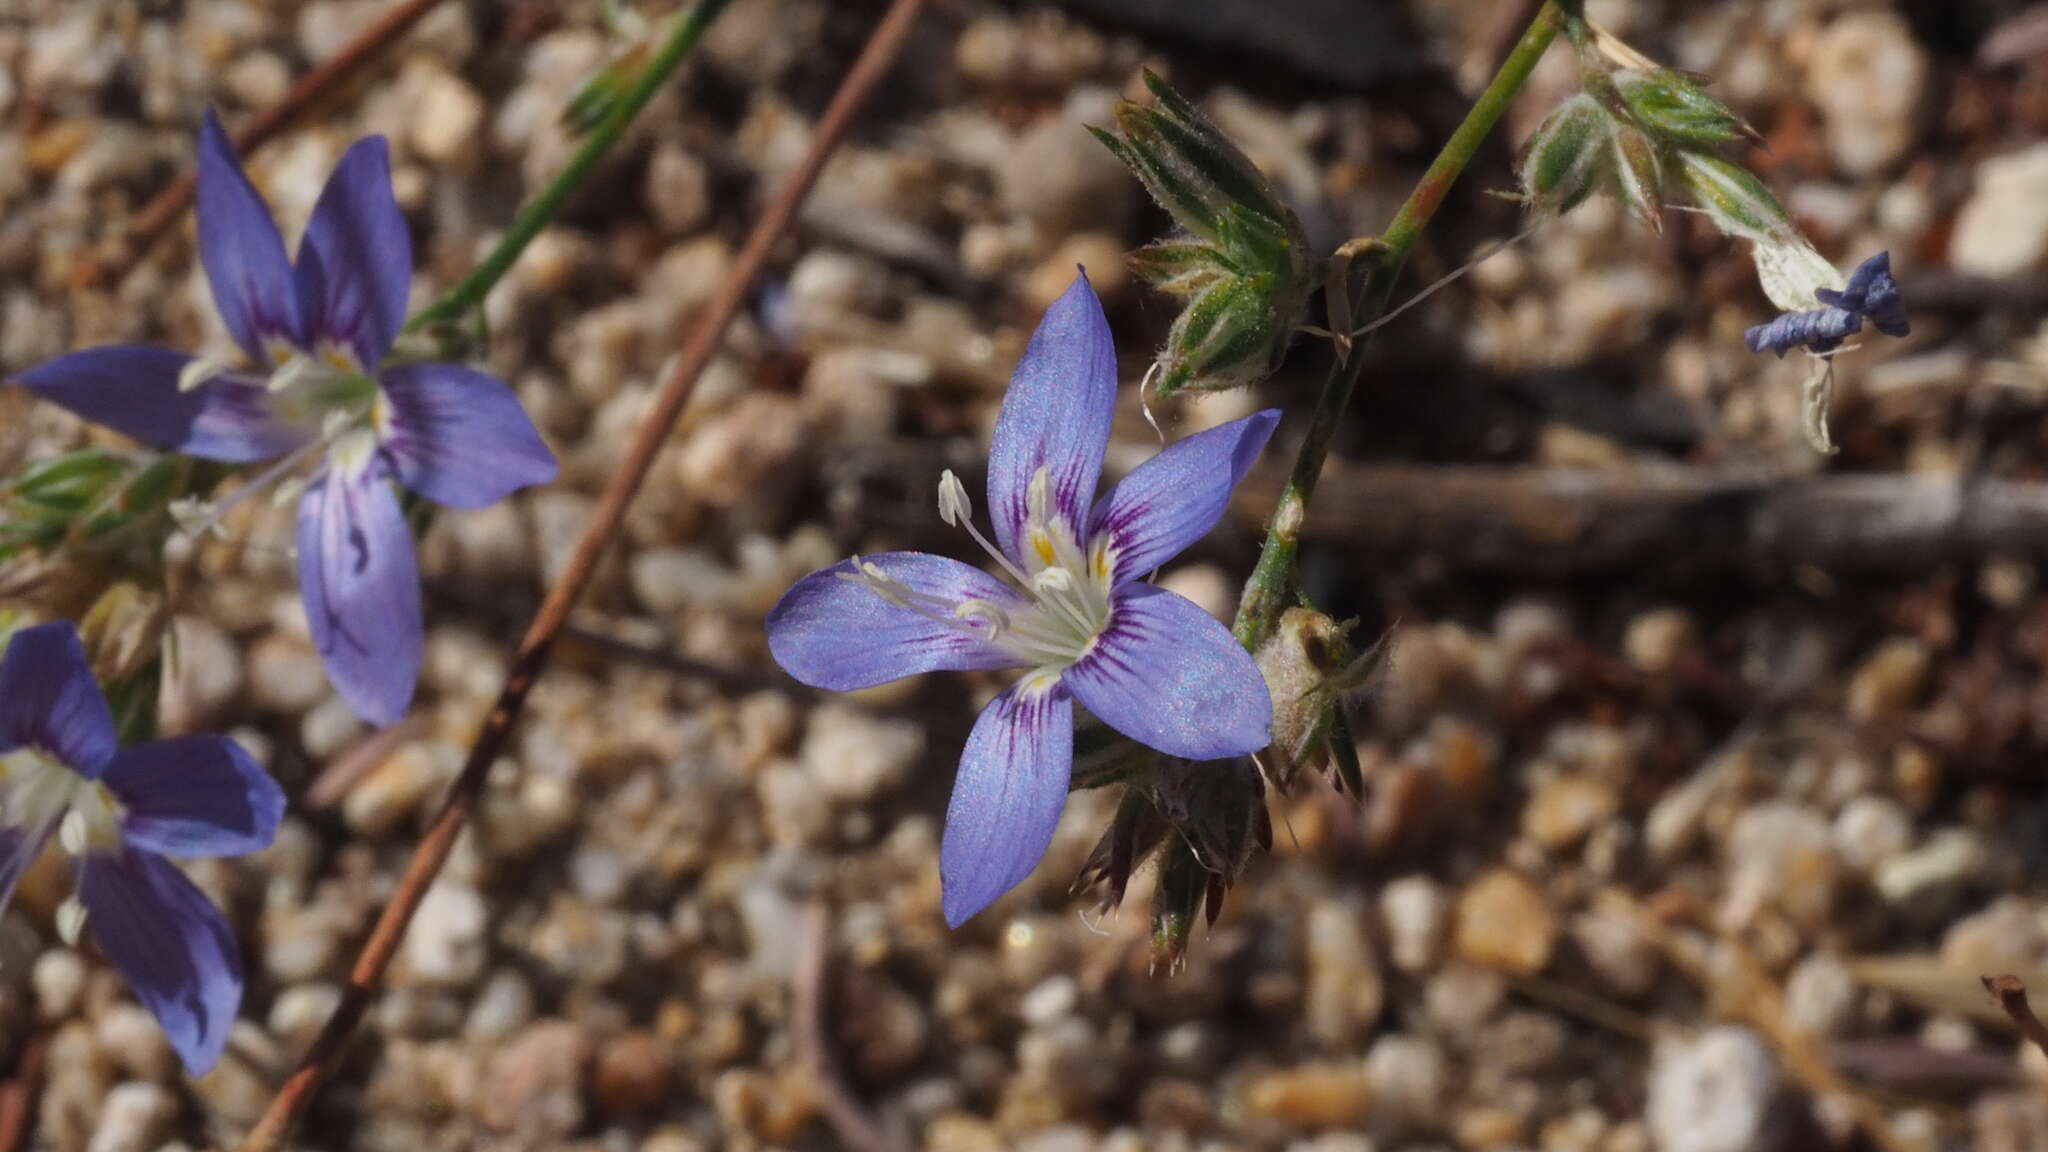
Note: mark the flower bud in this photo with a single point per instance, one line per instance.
(1179, 269)
(1232, 334)
(1639, 174)
(1569, 155)
(1189, 165)
(1247, 269)
(1676, 108)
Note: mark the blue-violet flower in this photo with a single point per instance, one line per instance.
(1082, 622)
(320, 328)
(118, 812)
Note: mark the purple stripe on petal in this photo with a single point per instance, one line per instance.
(1173, 499)
(838, 634)
(49, 700)
(133, 389)
(1007, 798)
(1168, 675)
(361, 586)
(1056, 415)
(195, 796)
(241, 249)
(171, 943)
(459, 437)
(355, 262)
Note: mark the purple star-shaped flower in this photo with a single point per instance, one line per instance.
(1081, 620)
(324, 398)
(119, 812)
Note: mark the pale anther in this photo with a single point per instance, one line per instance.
(954, 507)
(72, 832)
(298, 368)
(70, 921)
(984, 612)
(1038, 495)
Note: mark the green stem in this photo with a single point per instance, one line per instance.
(1269, 590)
(537, 212)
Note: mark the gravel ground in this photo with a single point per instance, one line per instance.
(1698, 861)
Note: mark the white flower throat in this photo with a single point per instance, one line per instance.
(1066, 583)
(328, 394)
(37, 794)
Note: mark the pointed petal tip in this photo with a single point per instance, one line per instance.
(1007, 798)
(839, 635)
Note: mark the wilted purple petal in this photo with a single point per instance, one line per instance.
(49, 700)
(243, 253)
(171, 943)
(1168, 675)
(1056, 415)
(1173, 499)
(195, 796)
(839, 634)
(1007, 797)
(355, 262)
(361, 587)
(133, 389)
(459, 437)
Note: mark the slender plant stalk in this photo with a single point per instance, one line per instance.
(531, 657)
(156, 217)
(1271, 586)
(537, 212)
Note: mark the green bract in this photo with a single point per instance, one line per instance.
(1245, 266)
(1676, 108)
(1566, 159)
(1788, 267)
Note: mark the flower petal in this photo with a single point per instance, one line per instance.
(133, 389)
(839, 634)
(1055, 416)
(1173, 499)
(361, 585)
(50, 701)
(1168, 675)
(242, 251)
(172, 944)
(459, 437)
(1008, 796)
(195, 796)
(355, 262)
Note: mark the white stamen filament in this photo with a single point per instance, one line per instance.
(199, 371)
(197, 520)
(71, 832)
(1067, 586)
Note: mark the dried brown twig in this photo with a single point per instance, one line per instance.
(18, 1094)
(531, 657)
(810, 995)
(157, 216)
(2011, 995)
(1565, 521)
